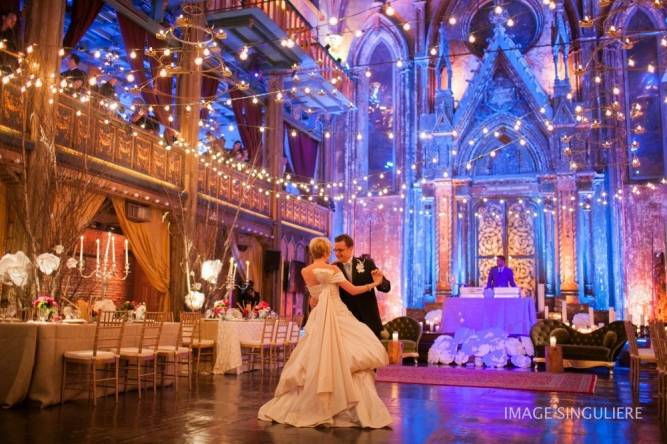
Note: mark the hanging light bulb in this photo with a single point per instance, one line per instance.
(130, 77)
(406, 26)
(333, 21)
(498, 10)
(650, 68)
(368, 73)
(243, 55)
(358, 33)
(163, 72)
(510, 22)
(133, 54)
(434, 51)
(399, 63)
(452, 20)
(471, 38)
(167, 52)
(631, 62)
(198, 60)
(389, 10)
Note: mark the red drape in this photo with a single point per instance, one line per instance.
(248, 118)
(209, 86)
(303, 150)
(163, 85)
(83, 15)
(134, 38)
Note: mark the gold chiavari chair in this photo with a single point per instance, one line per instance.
(295, 333)
(104, 354)
(140, 363)
(25, 314)
(659, 343)
(280, 342)
(259, 348)
(172, 356)
(191, 336)
(638, 356)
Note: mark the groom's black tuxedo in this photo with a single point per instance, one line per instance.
(364, 306)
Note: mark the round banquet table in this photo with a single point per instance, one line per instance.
(228, 343)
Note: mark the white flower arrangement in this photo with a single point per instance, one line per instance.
(104, 305)
(195, 300)
(210, 270)
(434, 316)
(47, 263)
(581, 320)
(491, 348)
(15, 269)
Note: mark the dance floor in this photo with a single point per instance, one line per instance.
(222, 409)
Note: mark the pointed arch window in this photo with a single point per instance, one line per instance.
(645, 96)
(381, 119)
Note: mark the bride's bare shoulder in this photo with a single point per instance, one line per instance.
(309, 270)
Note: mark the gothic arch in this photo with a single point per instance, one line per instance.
(464, 9)
(536, 142)
(381, 29)
(382, 32)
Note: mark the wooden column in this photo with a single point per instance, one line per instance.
(188, 88)
(274, 157)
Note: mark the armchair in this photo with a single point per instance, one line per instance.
(599, 348)
(409, 334)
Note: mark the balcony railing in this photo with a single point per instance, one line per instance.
(285, 15)
(87, 129)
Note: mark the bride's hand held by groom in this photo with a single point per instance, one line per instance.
(377, 276)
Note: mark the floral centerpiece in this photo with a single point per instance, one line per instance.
(46, 306)
(103, 305)
(220, 308)
(262, 310)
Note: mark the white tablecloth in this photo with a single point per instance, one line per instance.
(228, 344)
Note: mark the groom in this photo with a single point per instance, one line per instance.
(358, 271)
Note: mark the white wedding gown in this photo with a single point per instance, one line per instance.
(329, 379)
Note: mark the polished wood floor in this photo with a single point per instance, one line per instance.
(222, 409)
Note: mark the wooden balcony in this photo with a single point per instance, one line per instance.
(125, 153)
(297, 28)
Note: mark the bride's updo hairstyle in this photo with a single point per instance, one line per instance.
(319, 247)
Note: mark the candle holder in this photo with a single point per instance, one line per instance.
(230, 283)
(106, 270)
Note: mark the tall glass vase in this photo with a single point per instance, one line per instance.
(43, 313)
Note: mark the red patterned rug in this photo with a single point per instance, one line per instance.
(503, 379)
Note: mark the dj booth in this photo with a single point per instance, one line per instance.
(478, 308)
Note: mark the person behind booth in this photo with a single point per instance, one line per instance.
(500, 275)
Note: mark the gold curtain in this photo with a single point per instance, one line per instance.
(150, 245)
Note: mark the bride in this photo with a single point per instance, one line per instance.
(329, 379)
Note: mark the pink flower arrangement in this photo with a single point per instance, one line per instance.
(263, 305)
(220, 307)
(44, 302)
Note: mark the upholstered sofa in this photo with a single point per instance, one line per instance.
(599, 348)
(409, 334)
